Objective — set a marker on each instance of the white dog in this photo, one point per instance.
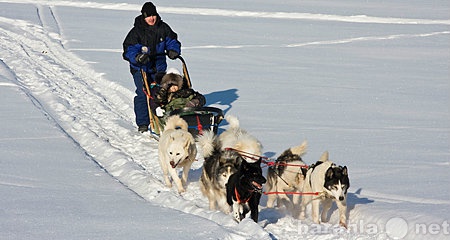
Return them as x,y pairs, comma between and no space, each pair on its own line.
176,149
331,182
287,175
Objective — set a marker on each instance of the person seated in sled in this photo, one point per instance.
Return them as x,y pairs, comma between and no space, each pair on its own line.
173,95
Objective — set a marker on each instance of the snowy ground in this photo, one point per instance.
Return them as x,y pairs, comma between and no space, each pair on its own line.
367,81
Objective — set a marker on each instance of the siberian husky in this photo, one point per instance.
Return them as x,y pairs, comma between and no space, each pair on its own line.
331,182
176,149
218,166
223,155
287,175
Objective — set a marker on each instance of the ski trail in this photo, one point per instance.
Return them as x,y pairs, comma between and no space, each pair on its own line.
48,21
97,115
294,45
325,42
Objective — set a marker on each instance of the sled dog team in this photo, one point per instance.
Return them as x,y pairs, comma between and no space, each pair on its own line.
232,177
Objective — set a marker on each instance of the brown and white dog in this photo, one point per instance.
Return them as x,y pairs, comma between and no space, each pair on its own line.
176,149
287,175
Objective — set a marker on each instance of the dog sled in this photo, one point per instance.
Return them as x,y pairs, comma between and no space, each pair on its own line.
199,119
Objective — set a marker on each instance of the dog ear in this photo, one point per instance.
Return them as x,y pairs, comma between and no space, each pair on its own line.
324,157
304,170
329,173
187,143
345,171
244,165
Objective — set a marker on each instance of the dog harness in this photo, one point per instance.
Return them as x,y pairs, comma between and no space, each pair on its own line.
238,197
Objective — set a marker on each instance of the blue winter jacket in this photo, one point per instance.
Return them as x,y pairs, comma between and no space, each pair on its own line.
157,39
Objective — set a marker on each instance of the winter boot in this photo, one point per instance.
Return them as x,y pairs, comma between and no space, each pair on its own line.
143,128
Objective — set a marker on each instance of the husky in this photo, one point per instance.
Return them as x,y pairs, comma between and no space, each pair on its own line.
331,182
287,175
240,140
176,149
223,155
218,166
244,190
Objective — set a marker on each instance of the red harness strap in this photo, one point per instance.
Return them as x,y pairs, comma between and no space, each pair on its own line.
238,197
293,193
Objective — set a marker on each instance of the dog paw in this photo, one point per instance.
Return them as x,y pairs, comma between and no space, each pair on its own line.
237,217
302,216
343,224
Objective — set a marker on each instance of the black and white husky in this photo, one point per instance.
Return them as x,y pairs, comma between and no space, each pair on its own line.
331,182
244,190
287,175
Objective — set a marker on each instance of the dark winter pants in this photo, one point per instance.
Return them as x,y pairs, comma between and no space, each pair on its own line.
140,100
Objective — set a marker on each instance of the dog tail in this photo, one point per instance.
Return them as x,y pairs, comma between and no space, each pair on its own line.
233,121
324,157
175,122
206,143
301,149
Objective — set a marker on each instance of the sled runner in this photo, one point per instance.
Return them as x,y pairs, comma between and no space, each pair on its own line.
199,119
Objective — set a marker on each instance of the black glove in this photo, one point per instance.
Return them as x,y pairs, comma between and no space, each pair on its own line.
193,103
172,54
161,96
142,58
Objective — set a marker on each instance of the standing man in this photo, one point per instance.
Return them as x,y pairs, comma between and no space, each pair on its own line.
145,47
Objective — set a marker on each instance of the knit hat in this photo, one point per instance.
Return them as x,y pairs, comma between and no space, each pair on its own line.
149,10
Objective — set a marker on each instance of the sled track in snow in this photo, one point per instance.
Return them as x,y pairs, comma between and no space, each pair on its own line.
98,116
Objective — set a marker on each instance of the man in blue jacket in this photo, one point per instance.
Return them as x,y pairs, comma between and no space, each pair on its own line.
144,48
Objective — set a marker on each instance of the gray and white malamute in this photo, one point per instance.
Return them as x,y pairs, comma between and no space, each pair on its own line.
331,182
223,155
287,175
176,149
218,166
